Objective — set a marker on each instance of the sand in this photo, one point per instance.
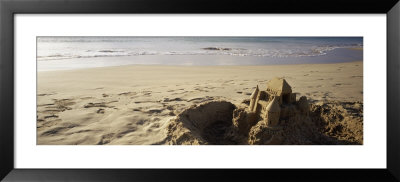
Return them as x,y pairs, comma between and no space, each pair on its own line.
136,104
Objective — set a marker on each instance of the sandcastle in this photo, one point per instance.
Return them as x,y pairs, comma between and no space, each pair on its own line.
275,103
260,121
267,111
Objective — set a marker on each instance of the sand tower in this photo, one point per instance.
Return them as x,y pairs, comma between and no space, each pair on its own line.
253,100
303,105
273,111
281,89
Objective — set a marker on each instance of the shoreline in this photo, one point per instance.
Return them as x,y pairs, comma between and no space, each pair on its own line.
340,55
201,66
188,66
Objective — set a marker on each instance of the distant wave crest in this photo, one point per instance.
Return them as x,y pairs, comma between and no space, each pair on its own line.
276,53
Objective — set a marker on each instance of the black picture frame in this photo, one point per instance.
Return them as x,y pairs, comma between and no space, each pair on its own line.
8,8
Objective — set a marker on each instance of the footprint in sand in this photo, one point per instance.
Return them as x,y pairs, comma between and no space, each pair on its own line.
59,105
86,98
147,101
50,111
51,116
106,139
128,93
84,131
45,105
141,122
171,100
98,104
127,131
229,82
201,89
171,108
209,87
89,105
100,111
325,95
59,129
49,123
154,111
145,93
178,93
155,125
44,94
201,99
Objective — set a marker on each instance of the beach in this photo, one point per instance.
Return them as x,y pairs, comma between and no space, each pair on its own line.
134,104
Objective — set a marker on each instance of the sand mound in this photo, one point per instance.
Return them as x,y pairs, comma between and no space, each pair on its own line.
216,123
203,124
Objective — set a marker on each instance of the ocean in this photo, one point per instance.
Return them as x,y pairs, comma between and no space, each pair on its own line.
55,53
